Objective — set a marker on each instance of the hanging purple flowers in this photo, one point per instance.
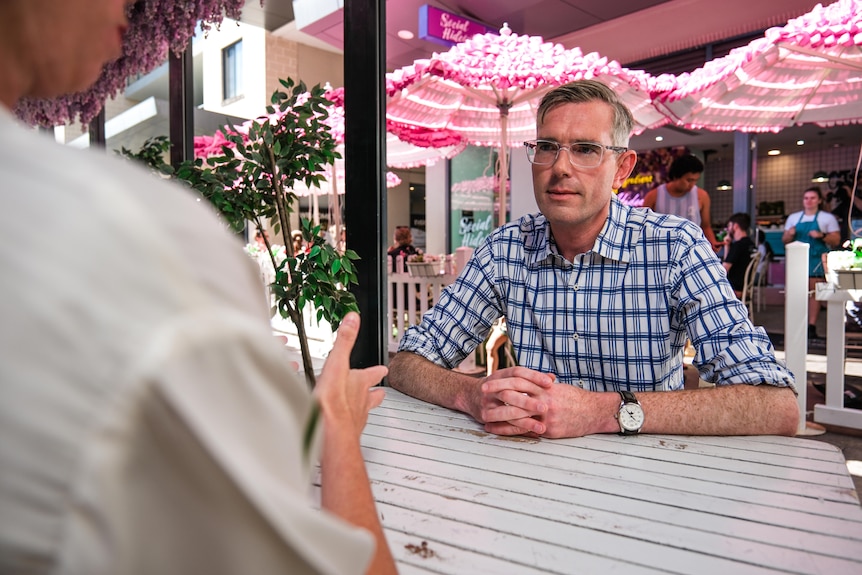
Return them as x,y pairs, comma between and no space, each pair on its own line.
155,26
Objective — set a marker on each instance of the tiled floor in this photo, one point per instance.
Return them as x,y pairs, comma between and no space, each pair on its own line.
848,440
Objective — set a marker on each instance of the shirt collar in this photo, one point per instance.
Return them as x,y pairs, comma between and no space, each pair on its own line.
621,230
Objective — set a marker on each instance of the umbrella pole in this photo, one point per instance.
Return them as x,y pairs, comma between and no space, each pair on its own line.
334,206
504,164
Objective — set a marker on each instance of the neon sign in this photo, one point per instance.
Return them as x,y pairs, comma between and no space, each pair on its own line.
446,28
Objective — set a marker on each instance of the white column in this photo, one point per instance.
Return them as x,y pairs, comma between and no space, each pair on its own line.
523,198
436,207
796,321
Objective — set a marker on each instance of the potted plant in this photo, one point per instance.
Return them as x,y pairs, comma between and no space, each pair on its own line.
252,180
425,265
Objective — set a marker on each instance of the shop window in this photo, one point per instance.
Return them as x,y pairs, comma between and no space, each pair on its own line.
232,71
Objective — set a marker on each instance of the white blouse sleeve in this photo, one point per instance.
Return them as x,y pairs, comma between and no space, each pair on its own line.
209,467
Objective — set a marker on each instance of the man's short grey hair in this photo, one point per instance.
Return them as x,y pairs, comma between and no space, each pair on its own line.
585,91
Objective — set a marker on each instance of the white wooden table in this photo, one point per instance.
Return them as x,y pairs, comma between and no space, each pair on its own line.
455,499
833,411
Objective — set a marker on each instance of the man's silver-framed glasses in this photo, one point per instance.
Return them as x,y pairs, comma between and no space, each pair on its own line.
581,154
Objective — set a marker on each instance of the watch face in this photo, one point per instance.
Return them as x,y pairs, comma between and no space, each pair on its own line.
631,417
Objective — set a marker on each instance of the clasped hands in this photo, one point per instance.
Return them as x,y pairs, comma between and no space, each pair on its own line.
521,401
814,234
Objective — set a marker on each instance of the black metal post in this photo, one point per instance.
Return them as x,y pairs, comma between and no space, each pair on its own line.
96,130
744,167
365,169
181,105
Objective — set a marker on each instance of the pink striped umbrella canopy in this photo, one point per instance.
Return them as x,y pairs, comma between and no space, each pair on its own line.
406,146
487,89
474,85
808,71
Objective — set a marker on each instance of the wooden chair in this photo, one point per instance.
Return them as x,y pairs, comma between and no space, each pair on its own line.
757,293
760,281
748,286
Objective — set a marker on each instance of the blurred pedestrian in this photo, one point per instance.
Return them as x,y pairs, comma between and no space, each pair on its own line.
403,246
681,196
738,250
820,230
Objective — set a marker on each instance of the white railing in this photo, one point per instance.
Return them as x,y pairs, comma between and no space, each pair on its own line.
319,333
410,296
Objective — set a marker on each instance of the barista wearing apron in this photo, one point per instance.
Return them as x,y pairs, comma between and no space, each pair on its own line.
821,232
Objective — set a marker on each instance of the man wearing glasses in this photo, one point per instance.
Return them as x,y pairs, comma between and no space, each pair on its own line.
599,298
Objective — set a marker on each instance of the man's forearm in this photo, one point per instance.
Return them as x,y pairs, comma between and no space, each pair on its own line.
416,376
725,410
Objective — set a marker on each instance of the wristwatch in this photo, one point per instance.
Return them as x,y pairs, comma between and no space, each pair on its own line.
630,415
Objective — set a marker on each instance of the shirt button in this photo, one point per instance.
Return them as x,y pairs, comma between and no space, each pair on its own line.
576,287
575,337
580,383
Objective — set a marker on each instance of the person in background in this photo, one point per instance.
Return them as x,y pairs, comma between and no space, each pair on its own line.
598,298
298,242
737,250
342,241
856,215
819,229
681,196
842,207
259,239
403,245
766,257
150,422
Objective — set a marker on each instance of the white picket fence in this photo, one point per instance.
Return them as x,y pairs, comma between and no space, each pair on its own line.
319,333
410,296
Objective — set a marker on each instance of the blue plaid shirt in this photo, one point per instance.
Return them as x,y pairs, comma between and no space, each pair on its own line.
615,318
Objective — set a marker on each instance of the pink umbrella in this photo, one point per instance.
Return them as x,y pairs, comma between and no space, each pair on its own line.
401,154
809,70
205,146
487,89
406,146
337,186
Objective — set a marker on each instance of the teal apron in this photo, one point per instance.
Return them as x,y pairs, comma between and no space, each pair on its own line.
816,247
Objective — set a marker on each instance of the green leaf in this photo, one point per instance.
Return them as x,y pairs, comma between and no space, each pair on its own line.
310,430
241,184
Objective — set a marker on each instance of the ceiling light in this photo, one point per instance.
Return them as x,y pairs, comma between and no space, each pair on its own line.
773,153
820,176
800,142
659,138
405,34
723,186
